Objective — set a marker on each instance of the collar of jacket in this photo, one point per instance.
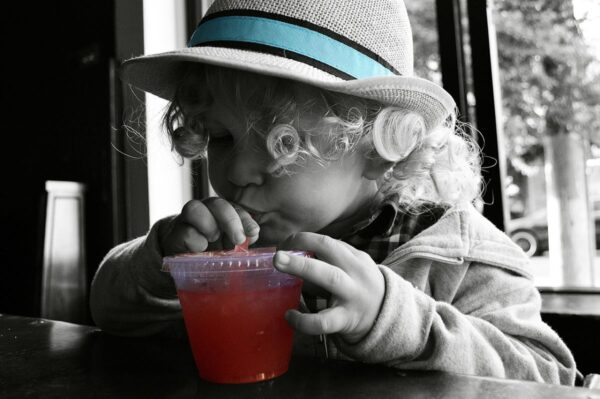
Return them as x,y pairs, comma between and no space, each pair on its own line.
463,234
383,217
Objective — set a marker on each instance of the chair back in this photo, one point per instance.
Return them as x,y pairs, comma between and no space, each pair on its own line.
64,278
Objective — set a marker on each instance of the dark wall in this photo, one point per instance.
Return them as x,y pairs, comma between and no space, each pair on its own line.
55,126
581,335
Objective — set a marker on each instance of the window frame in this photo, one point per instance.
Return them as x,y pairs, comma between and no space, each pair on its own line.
485,90
129,175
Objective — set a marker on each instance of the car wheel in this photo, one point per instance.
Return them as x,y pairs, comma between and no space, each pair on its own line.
526,240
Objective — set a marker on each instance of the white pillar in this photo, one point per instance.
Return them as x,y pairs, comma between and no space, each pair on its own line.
169,183
569,237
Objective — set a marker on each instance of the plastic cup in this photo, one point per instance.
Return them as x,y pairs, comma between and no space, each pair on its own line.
233,307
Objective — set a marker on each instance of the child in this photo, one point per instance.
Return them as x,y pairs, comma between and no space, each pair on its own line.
319,138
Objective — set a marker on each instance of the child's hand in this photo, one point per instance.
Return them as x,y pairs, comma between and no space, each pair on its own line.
356,285
213,223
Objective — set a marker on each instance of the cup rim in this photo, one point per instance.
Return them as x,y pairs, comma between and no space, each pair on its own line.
223,261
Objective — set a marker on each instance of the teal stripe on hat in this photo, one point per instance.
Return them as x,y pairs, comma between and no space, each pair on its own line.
289,37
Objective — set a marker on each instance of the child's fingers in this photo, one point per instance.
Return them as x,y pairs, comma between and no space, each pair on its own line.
193,240
196,214
184,238
251,228
324,247
228,219
363,257
352,250
215,216
329,277
328,321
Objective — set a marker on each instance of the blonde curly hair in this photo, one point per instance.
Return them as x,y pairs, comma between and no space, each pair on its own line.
440,166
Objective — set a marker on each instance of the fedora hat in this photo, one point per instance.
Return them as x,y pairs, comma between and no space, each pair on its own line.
359,47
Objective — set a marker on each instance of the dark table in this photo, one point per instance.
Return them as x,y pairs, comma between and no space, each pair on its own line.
53,359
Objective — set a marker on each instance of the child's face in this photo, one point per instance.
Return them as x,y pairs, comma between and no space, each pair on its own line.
314,198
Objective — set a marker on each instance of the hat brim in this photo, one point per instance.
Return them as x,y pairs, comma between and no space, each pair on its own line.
160,74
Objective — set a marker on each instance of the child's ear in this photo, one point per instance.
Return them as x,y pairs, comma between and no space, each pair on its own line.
376,167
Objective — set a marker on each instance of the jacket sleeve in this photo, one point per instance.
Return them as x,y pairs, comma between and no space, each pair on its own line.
130,295
492,328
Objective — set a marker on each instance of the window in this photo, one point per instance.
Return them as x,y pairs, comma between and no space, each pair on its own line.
526,75
423,21
549,73
169,183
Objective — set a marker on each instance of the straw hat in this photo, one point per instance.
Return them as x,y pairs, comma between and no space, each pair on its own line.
358,47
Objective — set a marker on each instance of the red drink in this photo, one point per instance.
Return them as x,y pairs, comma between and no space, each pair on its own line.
233,306
242,336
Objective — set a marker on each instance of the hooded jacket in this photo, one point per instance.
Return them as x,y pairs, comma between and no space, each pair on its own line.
458,298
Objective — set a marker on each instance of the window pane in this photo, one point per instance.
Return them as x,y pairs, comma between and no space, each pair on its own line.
425,39
549,62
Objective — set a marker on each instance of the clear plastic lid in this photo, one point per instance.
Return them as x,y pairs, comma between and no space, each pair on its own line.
229,271
224,261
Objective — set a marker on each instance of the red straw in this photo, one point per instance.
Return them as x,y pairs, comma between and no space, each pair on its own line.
243,247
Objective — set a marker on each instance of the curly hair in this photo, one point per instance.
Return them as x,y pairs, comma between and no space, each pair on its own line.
440,166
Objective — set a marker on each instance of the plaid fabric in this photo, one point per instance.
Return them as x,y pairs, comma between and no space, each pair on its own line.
390,227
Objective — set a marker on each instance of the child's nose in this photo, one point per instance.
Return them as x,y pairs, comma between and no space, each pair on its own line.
247,167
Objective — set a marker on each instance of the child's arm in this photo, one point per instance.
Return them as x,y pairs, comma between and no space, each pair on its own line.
491,327
130,295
